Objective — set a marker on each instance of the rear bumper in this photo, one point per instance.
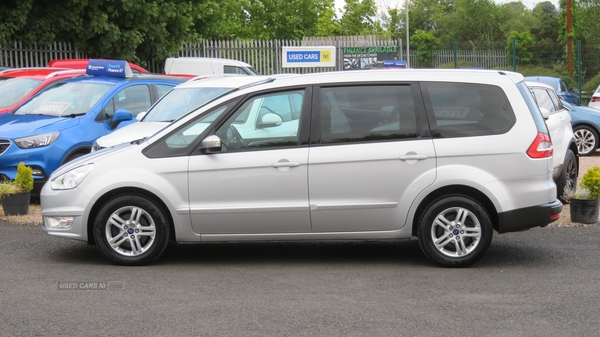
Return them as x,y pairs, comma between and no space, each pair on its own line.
525,218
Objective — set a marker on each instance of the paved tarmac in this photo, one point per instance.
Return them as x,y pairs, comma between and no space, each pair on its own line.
542,282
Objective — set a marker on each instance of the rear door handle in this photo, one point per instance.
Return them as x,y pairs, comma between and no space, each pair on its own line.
413,157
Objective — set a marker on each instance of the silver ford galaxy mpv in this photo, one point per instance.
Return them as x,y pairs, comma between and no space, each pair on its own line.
446,156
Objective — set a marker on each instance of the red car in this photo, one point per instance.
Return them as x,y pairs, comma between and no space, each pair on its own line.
19,84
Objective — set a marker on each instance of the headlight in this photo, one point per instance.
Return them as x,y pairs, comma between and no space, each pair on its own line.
71,178
37,140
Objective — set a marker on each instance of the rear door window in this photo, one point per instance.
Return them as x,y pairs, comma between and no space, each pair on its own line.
366,113
467,110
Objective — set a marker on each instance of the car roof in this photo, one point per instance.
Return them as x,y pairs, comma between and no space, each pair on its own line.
392,75
220,81
82,64
542,78
538,84
40,73
134,78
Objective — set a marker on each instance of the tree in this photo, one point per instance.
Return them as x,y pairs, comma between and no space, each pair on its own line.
135,30
358,17
524,44
425,43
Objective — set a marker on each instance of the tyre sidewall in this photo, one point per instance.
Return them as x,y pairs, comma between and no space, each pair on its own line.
160,221
428,218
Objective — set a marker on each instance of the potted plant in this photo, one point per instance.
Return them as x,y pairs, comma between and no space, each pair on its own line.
585,201
15,194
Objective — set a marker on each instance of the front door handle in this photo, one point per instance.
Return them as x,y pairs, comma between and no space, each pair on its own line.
285,164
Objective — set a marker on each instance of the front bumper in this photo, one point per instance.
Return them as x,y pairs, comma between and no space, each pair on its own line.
525,218
65,204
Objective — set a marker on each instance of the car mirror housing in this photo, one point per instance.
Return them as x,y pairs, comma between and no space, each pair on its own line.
141,115
270,120
545,113
119,116
211,144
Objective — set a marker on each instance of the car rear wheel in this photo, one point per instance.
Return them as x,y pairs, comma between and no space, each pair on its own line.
567,181
455,231
131,230
587,140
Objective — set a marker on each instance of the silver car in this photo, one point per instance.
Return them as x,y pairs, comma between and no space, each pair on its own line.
444,156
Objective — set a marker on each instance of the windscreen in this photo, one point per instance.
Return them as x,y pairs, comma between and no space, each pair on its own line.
68,99
14,89
180,101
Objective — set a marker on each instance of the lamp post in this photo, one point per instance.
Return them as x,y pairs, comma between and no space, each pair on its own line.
407,38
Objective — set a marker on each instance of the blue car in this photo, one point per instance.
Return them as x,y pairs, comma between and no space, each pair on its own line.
559,85
586,127
62,122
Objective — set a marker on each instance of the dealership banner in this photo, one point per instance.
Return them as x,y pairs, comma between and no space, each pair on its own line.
314,56
367,57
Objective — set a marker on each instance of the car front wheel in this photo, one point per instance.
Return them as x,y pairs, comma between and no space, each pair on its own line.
587,140
455,231
131,230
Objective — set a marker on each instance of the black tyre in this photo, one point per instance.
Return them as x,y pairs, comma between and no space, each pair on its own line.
455,231
587,140
131,230
568,176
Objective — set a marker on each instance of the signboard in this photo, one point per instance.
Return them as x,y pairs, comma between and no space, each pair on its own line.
367,57
112,68
317,56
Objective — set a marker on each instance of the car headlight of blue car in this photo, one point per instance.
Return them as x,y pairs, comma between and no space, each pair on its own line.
72,178
37,140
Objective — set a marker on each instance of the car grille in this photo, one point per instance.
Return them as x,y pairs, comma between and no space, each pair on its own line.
4,144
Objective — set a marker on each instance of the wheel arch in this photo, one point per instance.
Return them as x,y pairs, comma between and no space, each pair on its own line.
468,191
127,191
78,151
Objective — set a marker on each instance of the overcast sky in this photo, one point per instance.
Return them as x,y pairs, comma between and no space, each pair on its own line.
383,4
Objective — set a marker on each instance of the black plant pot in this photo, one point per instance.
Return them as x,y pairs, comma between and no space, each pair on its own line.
16,204
584,211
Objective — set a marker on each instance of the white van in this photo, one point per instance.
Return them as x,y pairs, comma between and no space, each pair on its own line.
207,66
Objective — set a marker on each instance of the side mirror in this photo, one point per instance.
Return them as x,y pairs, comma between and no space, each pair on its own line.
141,115
211,144
119,116
270,120
545,113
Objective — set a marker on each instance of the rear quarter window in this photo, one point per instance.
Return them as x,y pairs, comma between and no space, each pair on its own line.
467,110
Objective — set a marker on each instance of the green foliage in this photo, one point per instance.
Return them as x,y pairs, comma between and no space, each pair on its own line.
459,64
122,29
524,44
24,178
591,85
23,181
7,188
358,18
591,181
425,43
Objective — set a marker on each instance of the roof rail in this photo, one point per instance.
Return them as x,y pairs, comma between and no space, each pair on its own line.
65,72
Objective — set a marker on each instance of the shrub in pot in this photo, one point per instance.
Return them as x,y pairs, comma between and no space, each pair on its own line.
585,201
15,194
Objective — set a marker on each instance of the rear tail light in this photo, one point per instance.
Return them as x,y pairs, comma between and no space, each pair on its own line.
541,146
595,98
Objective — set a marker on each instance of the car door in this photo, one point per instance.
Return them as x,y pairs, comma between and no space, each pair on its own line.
134,98
369,158
558,123
250,187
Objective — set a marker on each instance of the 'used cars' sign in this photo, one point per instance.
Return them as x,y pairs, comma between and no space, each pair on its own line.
314,56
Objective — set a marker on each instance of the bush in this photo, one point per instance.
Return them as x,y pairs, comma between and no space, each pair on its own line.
591,181
24,178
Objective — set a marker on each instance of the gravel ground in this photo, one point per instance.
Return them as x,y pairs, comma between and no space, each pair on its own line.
34,217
